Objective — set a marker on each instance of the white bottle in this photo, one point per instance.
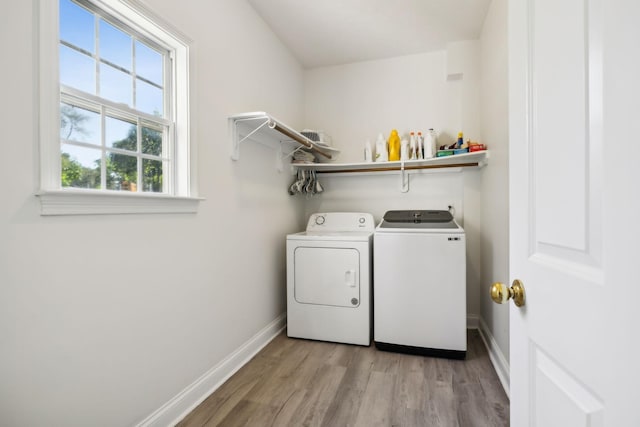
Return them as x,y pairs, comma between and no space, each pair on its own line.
420,146
412,146
430,144
368,152
382,154
404,149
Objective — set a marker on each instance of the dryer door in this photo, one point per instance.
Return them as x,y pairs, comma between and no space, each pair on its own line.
327,276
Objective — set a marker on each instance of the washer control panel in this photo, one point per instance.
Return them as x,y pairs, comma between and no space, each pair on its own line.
340,221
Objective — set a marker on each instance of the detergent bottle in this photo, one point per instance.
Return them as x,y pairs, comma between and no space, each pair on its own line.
394,146
382,153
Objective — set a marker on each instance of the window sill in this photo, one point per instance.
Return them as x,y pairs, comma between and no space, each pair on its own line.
87,202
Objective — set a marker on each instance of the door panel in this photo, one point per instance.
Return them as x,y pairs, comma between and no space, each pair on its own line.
558,72
560,399
327,276
565,119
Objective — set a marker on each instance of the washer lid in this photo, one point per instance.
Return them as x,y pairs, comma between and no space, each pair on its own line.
418,216
418,219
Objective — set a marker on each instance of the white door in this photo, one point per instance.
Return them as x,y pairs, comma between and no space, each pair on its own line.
574,206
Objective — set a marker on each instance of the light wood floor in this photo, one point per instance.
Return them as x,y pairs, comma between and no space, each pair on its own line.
294,382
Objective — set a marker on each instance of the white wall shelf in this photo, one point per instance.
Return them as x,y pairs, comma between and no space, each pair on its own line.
265,129
477,159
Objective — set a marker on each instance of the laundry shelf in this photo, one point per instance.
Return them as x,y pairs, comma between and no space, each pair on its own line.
265,129
477,159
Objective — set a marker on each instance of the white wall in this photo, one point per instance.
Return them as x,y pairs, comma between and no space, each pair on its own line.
355,102
495,181
105,318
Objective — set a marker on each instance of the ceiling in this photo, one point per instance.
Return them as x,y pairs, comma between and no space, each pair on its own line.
332,32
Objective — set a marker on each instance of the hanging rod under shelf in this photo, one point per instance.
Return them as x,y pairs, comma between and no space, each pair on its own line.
299,138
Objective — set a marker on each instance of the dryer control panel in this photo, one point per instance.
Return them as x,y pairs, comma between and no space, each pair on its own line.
340,222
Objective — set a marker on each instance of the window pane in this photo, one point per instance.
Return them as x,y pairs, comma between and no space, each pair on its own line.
115,45
78,124
149,63
77,70
152,179
122,172
151,141
80,167
76,25
115,85
148,98
120,134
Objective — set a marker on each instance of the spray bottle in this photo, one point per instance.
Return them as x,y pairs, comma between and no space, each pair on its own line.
412,146
368,152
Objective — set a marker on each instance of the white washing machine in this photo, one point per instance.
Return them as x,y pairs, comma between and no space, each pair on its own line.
420,284
329,279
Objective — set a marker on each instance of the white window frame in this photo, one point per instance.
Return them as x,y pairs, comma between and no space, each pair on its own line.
56,200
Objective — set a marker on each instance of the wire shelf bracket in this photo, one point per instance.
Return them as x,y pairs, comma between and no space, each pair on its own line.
265,129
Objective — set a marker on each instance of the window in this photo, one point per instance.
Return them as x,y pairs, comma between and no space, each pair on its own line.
120,99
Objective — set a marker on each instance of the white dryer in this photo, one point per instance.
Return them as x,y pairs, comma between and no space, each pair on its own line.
329,273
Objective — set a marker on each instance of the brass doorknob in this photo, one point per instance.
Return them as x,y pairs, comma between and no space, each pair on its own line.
500,293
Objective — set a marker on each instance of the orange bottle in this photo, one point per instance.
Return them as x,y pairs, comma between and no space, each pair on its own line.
394,146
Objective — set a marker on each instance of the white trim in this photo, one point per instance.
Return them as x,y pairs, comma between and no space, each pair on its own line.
184,402
88,202
499,362
48,91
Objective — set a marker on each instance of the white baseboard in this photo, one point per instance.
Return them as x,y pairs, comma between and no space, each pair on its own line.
500,363
184,402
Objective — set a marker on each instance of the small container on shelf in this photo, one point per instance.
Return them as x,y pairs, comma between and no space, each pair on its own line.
475,146
443,153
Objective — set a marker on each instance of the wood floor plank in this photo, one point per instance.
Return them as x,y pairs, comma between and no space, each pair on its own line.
441,405
295,382
375,408
341,355
343,409
320,393
243,415
384,361
285,416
